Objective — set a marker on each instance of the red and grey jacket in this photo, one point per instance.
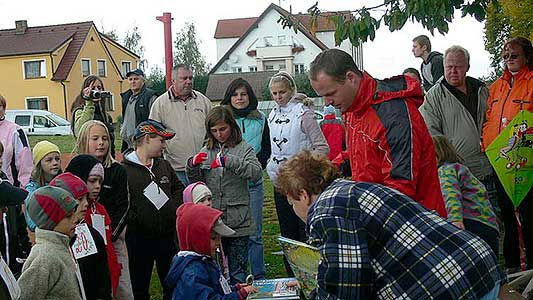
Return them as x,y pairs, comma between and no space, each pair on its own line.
389,143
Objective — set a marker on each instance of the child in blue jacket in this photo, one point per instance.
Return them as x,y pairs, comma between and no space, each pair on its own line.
193,273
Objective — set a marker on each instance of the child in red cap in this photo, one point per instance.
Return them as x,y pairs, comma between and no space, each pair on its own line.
93,266
194,274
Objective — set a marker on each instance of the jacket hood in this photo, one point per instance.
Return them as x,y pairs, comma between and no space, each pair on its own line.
193,225
81,165
131,158
431,55
373,91
179,263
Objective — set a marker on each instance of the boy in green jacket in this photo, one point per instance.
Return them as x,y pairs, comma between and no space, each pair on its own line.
51,272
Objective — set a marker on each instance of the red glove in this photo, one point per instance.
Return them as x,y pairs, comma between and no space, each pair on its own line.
199,158
219,161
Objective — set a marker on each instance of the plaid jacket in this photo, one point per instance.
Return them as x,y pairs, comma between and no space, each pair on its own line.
376,243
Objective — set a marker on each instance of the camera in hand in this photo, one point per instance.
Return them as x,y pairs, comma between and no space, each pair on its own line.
96,94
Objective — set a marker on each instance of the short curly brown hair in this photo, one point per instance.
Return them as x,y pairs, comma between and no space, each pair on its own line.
306,171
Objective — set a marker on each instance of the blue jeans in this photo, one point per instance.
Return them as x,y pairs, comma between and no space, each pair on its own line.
493,294
182,176
235,249
256,253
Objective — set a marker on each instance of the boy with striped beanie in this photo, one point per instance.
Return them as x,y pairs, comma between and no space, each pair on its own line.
51,272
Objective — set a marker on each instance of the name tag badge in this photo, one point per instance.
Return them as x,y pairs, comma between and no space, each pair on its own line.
98,222
84,244
156,195
9,280
225,285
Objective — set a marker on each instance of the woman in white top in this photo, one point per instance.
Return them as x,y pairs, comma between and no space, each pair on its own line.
293,128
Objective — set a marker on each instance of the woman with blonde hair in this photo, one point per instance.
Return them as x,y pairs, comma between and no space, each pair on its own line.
94,139
293,128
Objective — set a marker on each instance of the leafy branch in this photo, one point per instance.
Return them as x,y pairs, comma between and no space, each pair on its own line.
360,25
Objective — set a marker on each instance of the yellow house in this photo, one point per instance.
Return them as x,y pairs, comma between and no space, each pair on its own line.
44,67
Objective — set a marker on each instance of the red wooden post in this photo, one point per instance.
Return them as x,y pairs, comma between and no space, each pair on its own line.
167,21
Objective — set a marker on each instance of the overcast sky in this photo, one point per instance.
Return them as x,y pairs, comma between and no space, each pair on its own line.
388,55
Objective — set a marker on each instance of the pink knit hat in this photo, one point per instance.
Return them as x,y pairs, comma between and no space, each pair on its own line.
195,192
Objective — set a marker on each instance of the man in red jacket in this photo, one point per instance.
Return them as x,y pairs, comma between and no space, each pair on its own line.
388,141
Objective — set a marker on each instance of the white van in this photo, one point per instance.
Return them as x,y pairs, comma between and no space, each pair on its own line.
39,122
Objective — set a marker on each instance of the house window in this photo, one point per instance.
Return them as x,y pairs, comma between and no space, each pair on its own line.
85,67
282,67
236,69
282,40
299,68
252,68
102,68
269,68
110,103
268,40
126,67
35,69
37,103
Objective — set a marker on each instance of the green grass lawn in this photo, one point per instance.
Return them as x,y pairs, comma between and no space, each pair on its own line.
274,263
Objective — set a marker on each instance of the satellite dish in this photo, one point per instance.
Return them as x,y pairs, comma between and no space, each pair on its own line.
233,58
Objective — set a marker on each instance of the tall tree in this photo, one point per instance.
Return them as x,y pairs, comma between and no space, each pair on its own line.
156,80
133,42
359,25
187,50
506,19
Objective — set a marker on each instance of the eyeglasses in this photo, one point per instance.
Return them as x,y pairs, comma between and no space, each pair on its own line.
510,56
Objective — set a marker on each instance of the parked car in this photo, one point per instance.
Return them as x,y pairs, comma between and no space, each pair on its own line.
39,122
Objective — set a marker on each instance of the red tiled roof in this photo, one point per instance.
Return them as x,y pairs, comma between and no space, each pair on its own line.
46,39
39,39
218,83
233,28
73,49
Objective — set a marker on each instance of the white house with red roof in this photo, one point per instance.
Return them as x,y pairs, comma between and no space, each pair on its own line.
261,44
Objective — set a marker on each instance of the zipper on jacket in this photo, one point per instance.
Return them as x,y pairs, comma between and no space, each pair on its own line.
243,128
503,107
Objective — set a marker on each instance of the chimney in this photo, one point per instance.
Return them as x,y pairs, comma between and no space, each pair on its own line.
20,27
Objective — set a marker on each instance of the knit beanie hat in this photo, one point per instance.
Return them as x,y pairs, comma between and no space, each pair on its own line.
49,205
97,170
195,192
82,165
70,183
41,149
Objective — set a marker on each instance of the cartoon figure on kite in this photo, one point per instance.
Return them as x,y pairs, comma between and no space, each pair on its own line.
517,141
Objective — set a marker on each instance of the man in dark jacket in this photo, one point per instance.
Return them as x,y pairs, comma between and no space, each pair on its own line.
431,68
136,103
155,193
388,141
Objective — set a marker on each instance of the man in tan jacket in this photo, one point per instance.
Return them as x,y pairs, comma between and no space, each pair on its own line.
182,110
